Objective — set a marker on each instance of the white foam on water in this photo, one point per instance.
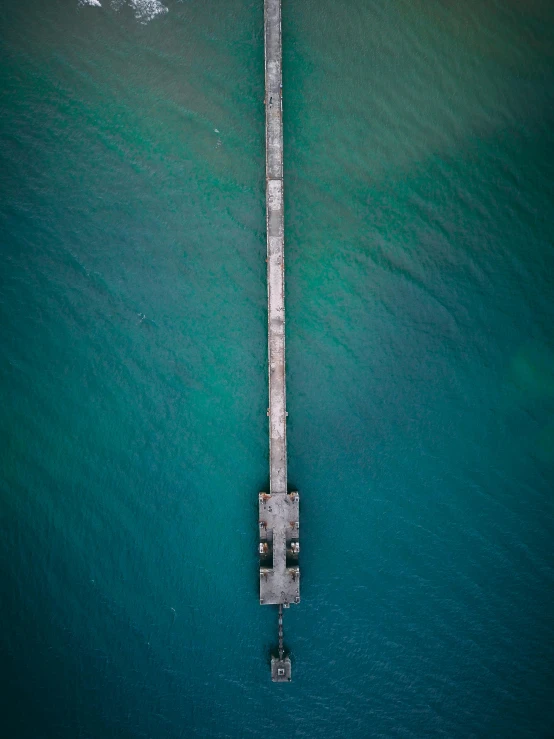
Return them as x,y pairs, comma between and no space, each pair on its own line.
146,10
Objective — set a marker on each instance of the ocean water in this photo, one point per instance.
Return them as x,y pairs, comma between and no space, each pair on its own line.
133,389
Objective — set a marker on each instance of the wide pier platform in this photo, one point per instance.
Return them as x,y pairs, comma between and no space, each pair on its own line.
279,549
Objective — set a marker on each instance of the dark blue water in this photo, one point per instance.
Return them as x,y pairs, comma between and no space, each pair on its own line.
133,388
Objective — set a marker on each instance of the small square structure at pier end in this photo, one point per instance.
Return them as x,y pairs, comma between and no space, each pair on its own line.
281,670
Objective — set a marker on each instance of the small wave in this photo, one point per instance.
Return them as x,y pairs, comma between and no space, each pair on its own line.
145,10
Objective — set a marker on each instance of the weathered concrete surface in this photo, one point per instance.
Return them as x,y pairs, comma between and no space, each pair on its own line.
279,510
275,250
273,90
281,670
276,339
279,523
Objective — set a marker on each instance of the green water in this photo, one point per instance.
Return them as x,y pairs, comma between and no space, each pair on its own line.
133,388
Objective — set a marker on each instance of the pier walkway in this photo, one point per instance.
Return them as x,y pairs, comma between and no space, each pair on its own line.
275,249
278,509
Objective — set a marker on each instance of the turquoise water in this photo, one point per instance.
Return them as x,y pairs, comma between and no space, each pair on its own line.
133,389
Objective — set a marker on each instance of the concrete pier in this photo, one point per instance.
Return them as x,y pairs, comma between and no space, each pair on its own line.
278,509
275,249
281,665
279,548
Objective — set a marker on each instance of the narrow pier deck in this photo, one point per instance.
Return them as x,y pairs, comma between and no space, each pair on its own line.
275,249
278,509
